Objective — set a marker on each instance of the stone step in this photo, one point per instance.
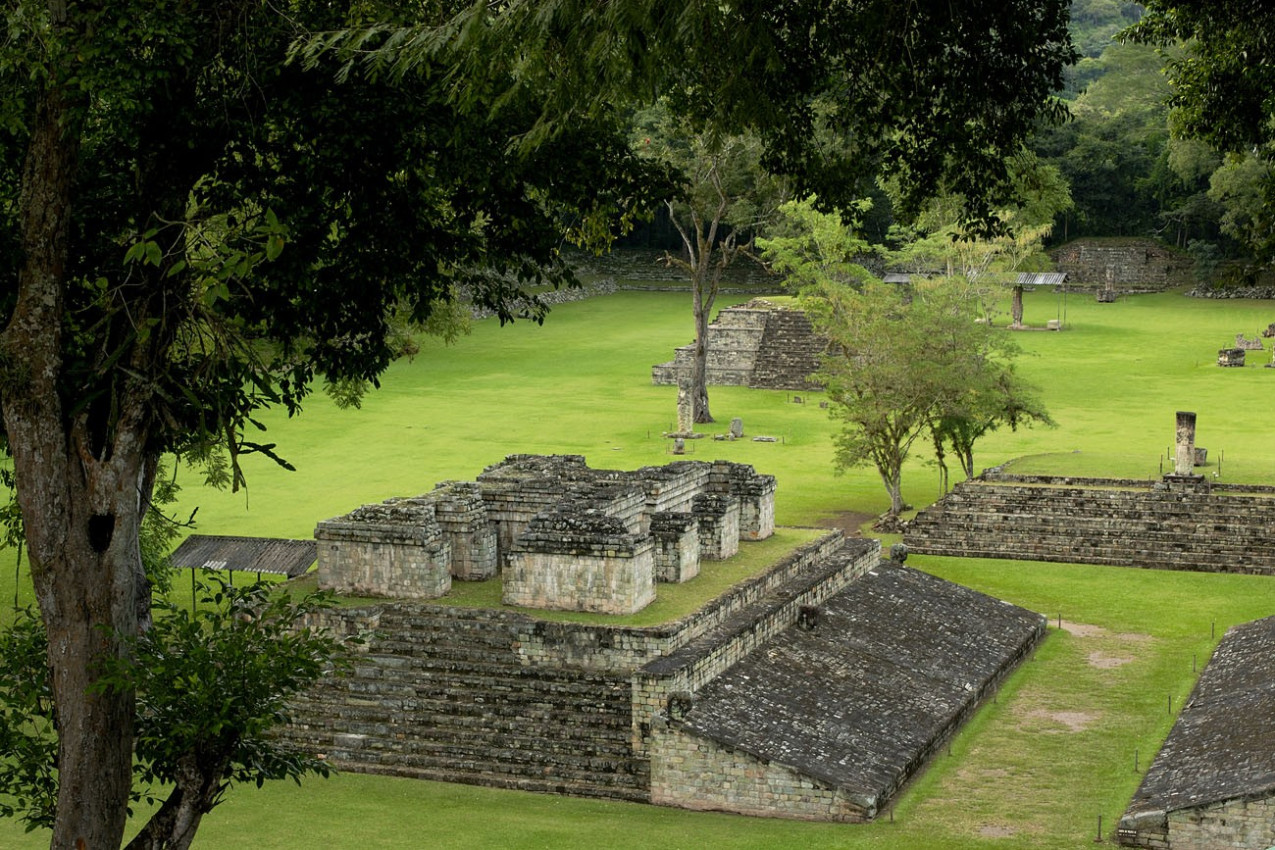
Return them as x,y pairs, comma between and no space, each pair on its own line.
638,791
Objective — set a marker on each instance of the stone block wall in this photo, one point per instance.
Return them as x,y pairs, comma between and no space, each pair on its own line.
1233,825
580,561
756,495
462,516
394,549
694,773
676,539
718,520
1132,265
1192,526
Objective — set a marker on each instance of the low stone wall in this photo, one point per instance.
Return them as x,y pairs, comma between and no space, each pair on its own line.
393,549
1188,526
1132,265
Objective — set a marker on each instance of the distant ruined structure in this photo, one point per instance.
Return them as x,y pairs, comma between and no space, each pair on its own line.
1123,265
759,344
815,689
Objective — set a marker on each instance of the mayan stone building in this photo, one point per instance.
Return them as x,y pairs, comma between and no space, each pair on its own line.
1212,786
815,689
759,344
564,536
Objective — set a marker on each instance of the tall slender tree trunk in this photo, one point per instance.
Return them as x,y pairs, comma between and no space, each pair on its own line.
84,489
702,308
1016,309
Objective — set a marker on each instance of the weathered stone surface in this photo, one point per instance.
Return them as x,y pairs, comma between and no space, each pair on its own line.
757,344
396,548
718,518
581,560
830,722
676,538
1213,783
1185,523
1133,265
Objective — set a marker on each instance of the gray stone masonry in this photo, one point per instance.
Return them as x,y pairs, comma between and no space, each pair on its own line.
758,344
1184,524
718,518
498,698
756,494
1212,786
676,538
830,722
1134,265
577,559
462,515
394,549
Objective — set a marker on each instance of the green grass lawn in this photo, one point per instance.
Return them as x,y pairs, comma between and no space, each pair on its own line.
1036,768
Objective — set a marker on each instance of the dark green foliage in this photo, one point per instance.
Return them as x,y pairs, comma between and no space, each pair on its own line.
938,91
1222,83
210,685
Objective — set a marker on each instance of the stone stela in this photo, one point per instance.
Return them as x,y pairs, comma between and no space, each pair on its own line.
564,536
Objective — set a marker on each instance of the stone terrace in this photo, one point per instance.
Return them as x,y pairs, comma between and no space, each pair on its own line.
1213,783
758,344
830,721
1222,528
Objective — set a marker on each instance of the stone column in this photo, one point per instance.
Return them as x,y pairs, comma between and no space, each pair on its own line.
1184,454
685,406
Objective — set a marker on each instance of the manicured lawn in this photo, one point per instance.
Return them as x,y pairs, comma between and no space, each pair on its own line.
1036,768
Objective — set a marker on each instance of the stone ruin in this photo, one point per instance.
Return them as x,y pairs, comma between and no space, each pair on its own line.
1254,344
564,536
1230,357
759,344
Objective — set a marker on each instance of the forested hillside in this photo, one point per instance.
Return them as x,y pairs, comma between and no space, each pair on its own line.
1128,176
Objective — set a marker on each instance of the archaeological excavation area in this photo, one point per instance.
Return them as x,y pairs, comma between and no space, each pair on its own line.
815,689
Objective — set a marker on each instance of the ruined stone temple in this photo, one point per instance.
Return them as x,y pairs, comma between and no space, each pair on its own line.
1124,265
815,689
759,344
1212,785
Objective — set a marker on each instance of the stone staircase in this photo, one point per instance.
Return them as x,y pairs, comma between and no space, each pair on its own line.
788,353
450,699
1129,525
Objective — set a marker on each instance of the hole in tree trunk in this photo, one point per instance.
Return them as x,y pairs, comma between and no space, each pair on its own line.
101,529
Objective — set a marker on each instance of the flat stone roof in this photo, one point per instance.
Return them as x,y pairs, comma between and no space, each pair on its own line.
860,701
1222,746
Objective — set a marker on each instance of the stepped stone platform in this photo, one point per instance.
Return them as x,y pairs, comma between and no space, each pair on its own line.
1183,525
503,699
1213,783
829,720
758,344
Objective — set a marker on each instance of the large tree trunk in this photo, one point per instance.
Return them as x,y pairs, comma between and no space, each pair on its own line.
702,307
80,494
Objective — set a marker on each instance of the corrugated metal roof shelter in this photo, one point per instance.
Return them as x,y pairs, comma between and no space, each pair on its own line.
1041,278
895,277
246,554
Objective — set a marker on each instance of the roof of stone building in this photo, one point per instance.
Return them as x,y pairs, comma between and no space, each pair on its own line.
1223,744
859,701
245,554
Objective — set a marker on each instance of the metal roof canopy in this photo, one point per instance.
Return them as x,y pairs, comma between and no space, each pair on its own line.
246,554
1041,278
896,277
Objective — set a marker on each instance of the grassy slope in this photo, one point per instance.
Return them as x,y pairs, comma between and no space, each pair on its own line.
1036,768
